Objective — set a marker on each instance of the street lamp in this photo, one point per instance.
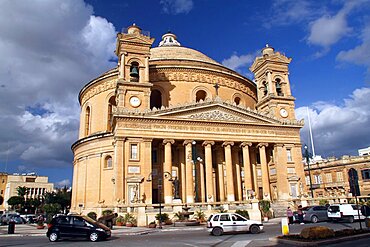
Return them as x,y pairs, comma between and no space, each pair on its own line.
308,165
167,176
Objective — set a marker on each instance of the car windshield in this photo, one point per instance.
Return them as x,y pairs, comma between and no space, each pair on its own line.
210,217
306,208
334,209
88,219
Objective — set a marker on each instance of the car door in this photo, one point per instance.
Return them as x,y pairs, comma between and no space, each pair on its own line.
240,224
226,222
80,228
323,213
64,226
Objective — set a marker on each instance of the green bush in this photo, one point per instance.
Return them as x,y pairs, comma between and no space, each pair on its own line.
164,217
107,212
200,216
129,218
92,215
243,213
317,232
323,202
180,216
265,208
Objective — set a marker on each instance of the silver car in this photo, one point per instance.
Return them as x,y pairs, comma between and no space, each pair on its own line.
313,214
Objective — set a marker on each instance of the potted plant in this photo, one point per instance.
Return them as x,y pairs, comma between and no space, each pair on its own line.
120,221
265,209
152,224
163,217
200,216
129,219
92,215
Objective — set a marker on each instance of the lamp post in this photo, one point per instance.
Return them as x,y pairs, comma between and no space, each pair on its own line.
167,176
308,165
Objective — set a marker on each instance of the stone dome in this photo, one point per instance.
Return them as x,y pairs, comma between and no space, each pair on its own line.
179,53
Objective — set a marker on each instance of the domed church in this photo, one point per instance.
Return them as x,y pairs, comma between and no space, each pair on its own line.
170,127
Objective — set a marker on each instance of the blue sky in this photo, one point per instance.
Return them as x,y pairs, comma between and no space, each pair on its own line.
51,49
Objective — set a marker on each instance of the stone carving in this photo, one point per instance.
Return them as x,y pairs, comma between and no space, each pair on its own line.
216,115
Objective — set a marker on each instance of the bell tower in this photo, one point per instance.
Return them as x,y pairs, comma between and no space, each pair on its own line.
273,87
133,52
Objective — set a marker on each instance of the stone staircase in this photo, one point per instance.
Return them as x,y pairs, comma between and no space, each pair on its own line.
279,208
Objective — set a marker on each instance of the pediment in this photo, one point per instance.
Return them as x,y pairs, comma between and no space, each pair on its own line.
214,112
138,39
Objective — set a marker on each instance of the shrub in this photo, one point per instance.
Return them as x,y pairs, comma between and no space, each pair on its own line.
317,232
107,212
265,208
221,209
200,216
128,218
120,219
179,216
164,217
92,215
323,202
243,213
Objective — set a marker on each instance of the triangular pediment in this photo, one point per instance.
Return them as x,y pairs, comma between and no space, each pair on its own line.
214,112
138,39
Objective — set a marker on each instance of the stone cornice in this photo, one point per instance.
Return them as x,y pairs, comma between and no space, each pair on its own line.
91,138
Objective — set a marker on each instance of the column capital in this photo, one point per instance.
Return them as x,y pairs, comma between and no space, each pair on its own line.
186,142
262,144
205,143
245,144
228,144
166,141
279,145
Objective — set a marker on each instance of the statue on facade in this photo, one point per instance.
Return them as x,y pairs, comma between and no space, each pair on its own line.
176,188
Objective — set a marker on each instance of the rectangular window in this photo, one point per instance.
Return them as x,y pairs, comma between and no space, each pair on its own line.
289,155
273,171
339,176
134,151
307,180
328,178
365,174
317,179
30,180
259,173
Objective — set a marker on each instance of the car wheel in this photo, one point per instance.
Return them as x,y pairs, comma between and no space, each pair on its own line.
94,237
217,231
53,237
351,219
254,229
314,219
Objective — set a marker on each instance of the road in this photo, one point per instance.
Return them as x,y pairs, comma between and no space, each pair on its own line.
186,238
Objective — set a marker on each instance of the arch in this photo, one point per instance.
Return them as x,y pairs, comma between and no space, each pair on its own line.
134,71
279,87
156,99
200,95
237,99
108,162
87,120
111,103
265,88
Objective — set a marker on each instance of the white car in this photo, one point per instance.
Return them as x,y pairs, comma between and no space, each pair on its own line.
219,223
348,212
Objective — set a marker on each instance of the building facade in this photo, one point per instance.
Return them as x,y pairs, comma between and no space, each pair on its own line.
37,185
3,181
340,178
171,125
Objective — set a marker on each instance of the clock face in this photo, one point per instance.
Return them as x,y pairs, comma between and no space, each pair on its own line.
283,112
135,101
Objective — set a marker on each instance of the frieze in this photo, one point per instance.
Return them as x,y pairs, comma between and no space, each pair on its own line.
216,115
104,86
196,76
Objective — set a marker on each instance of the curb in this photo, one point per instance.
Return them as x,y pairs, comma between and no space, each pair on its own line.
319,242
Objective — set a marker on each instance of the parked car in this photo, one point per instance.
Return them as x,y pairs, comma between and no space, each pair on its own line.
220,223
313,214
349,212
11,216
76,226
29,218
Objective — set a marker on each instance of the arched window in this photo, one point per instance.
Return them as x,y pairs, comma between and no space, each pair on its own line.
155,99
108,162
265,88
134,72
200,95
111,103
237,100
279,90
87,121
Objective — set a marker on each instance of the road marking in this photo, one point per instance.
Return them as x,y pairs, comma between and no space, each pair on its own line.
241,243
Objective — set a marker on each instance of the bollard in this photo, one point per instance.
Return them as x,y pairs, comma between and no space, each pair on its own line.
284,226
11,227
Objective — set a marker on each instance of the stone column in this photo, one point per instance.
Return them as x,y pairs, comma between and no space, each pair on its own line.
265,171
167,167
182,177
146,196
287,84
146,76
272,89
237,178
221,183
209,173
280,157
189,172
119,170
229,171
248,178
121,74
201,182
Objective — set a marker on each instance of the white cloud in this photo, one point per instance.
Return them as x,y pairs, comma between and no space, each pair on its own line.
49,51
176,6
240,63
359,54
62,183
339,128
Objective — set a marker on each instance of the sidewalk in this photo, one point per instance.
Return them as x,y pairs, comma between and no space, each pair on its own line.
31,230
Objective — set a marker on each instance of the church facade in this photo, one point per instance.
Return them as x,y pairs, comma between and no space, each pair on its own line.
170,125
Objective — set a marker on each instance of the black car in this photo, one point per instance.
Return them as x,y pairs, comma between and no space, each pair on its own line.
76,226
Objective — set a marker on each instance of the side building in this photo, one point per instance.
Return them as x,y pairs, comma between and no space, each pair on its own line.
37,185
340,178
